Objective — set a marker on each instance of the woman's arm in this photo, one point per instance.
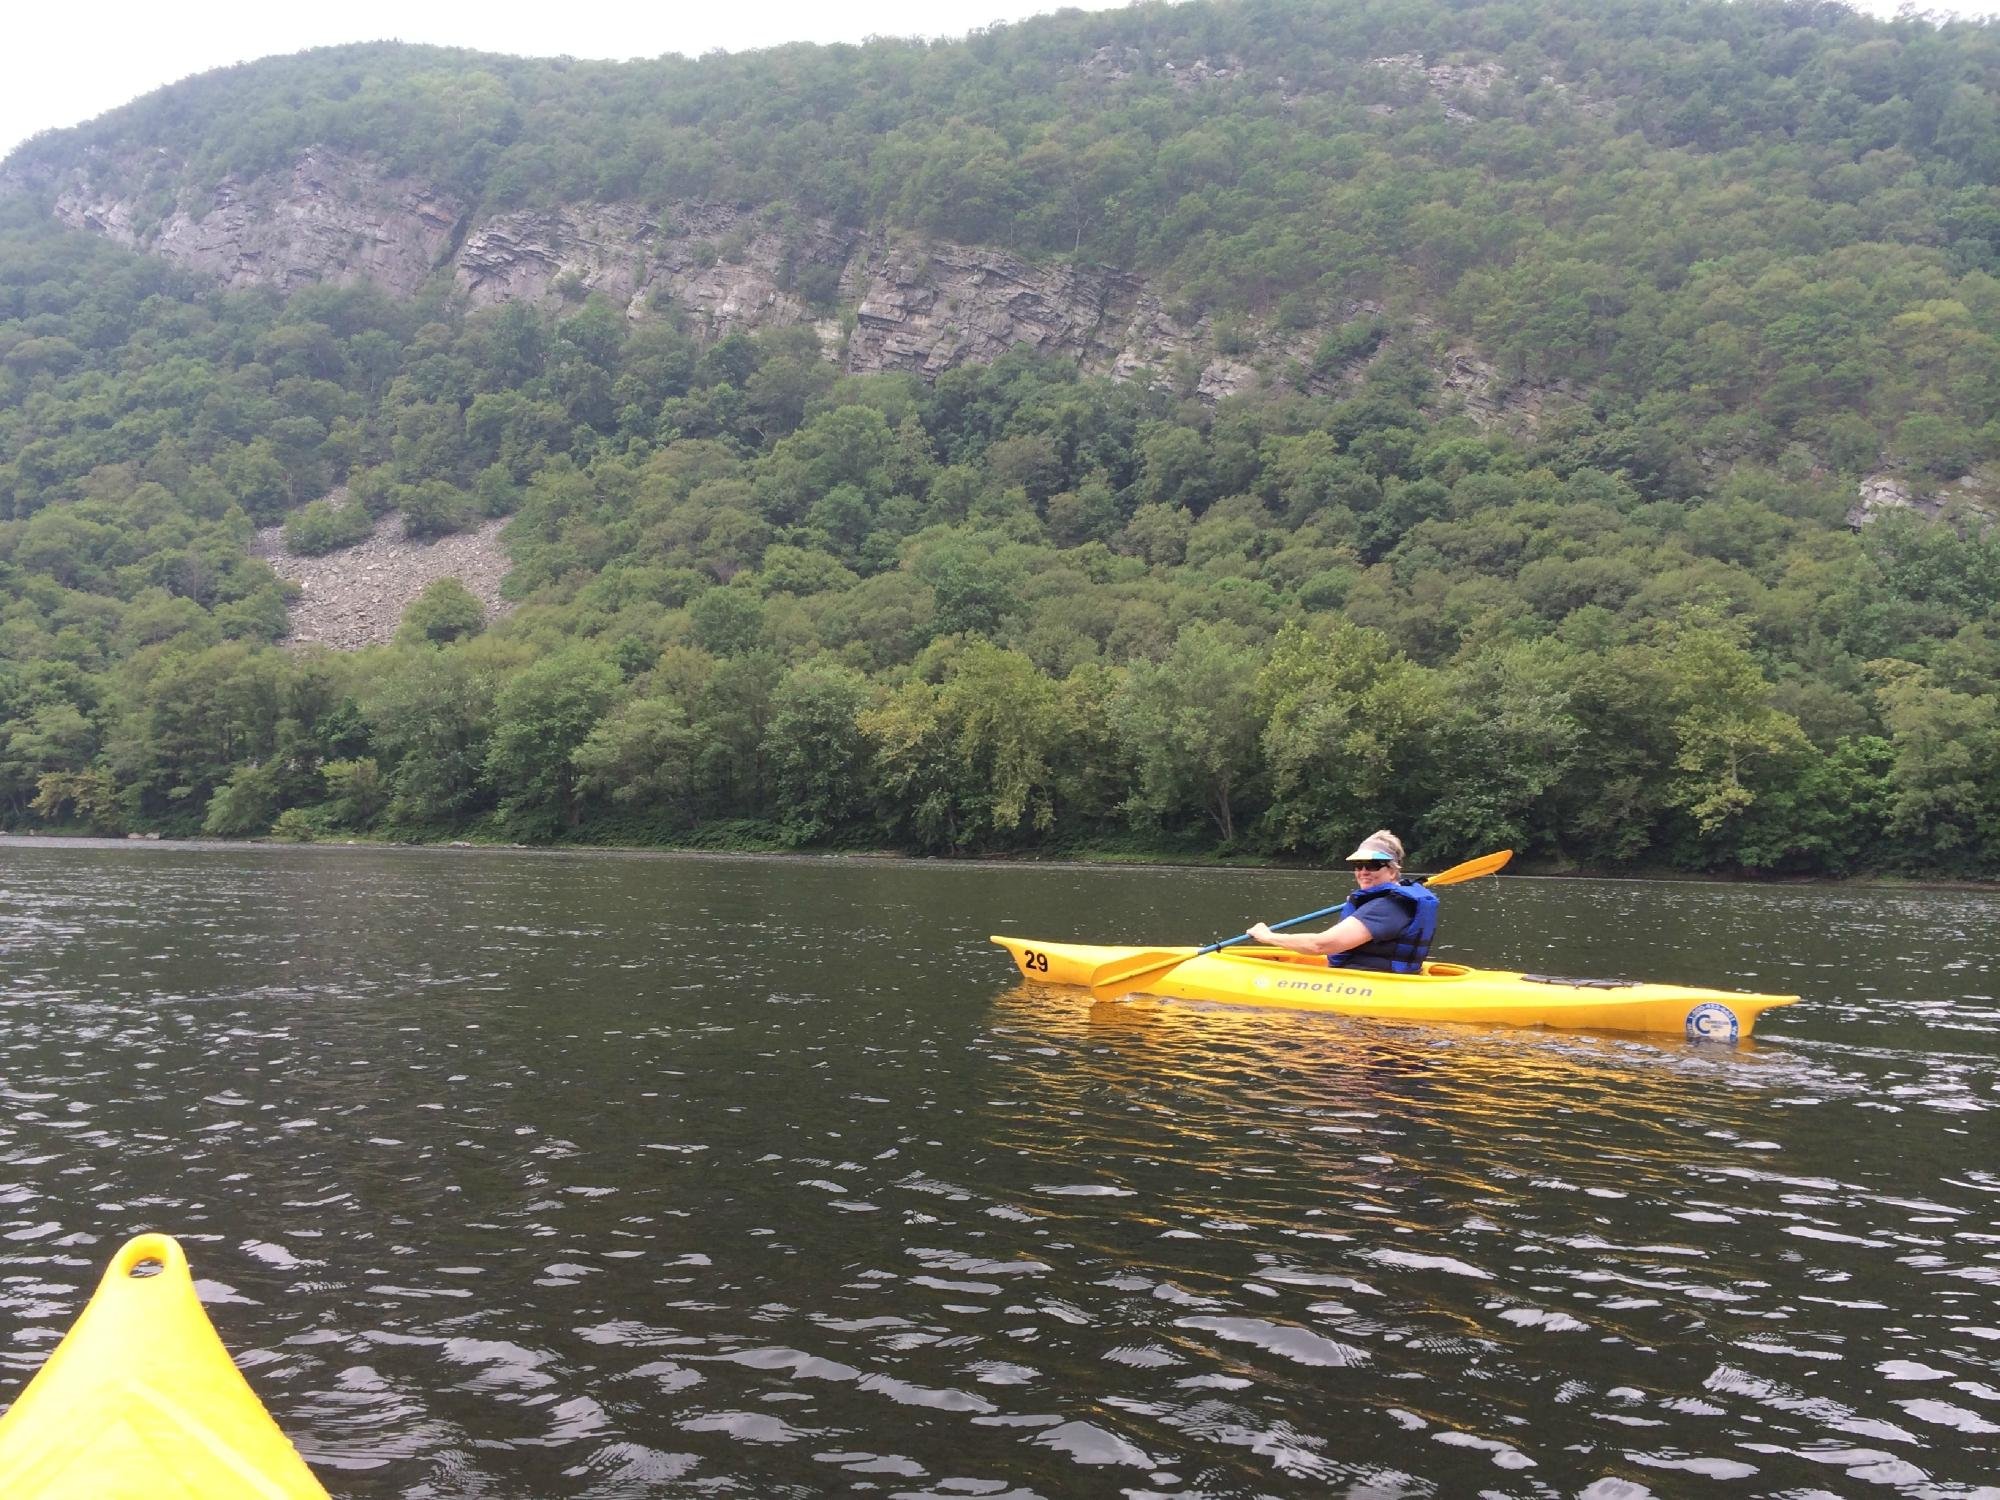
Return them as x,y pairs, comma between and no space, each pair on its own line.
1348,932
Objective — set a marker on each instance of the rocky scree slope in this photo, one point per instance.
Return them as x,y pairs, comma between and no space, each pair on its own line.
356,596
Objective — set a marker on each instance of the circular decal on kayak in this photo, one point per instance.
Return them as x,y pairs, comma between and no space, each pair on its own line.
1710,1022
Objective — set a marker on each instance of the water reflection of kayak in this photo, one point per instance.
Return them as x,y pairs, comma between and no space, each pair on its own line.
141,1399
1443,992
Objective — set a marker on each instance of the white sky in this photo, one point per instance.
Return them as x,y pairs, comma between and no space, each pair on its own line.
66,63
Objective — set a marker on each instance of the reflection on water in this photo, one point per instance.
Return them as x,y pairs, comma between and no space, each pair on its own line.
540,1176
1512,1242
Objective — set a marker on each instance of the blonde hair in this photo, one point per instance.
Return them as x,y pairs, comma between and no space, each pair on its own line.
1381,838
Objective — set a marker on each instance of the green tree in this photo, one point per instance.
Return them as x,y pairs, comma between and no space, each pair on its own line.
540,719
1830,818
255,478
821,776
916,769
243,806
641,755
1190,724
968,761
430,714
1506,738
1346,719
732,723
1005,721
1725,729
727,622
53,737
191,719
1944,784
357,792
444,612
1940,445
324,527
90,796
432,508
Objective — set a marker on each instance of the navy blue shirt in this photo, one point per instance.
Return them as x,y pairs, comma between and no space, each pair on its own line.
1384,919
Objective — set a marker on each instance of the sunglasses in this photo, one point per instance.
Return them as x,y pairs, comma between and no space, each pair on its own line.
1370,864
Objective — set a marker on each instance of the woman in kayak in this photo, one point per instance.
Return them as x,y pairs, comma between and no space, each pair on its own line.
1386,924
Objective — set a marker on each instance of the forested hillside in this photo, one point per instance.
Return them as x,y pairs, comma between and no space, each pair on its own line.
763,602
1742,226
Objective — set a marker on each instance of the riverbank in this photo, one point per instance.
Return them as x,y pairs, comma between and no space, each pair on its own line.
1069,860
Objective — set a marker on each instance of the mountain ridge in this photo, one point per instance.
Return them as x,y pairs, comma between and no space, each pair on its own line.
1646,203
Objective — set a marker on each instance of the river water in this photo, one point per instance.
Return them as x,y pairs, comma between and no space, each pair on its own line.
530,1174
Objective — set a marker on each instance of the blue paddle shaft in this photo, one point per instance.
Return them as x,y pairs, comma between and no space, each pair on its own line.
1244,937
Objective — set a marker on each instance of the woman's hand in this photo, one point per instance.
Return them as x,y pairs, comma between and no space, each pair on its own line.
1260,932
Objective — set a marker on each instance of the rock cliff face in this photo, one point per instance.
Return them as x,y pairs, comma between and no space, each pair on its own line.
1975,495
916,305
330,218
921,306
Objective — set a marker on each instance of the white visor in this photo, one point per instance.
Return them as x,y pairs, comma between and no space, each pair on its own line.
1366,852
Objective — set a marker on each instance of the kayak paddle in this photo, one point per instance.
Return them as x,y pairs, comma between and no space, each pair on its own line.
1123,975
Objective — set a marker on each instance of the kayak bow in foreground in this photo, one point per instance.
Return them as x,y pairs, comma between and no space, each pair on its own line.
1443,992
141,1399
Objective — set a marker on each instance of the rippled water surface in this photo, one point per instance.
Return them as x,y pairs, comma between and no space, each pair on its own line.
547,1175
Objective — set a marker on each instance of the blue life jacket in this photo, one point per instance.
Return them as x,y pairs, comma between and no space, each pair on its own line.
1403,953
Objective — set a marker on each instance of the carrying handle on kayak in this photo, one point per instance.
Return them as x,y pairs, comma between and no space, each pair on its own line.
145,1256
148,1269
1122,975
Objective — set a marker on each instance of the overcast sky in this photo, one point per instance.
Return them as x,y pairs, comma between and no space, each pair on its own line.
65,63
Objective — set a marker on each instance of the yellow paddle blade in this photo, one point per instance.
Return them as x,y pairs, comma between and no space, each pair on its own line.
1123,975
141,1402
1472,869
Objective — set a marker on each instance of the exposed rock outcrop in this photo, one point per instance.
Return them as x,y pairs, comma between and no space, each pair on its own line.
1976,494
330,218
1116,64
1447,82
1458,85
356,597
917,305
1492,400
921,306
729,269
926,308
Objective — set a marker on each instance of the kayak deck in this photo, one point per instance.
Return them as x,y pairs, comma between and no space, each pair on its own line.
1443,992
141,1399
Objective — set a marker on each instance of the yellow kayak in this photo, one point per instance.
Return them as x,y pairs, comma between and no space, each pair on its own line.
1443,992
140,1399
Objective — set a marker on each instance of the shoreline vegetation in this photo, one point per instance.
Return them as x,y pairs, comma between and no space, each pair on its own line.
1517,869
